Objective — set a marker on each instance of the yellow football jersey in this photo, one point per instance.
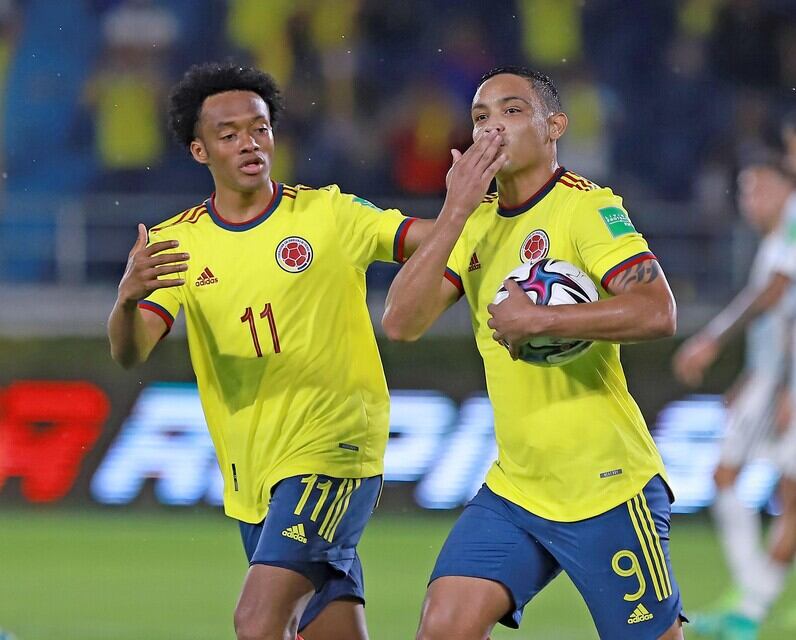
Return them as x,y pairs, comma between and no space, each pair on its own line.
280,337
572,442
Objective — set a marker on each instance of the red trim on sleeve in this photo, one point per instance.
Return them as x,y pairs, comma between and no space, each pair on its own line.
400,239
454,278
625,264
155,308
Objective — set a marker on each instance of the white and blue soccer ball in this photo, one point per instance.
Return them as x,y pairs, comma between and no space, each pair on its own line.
551,282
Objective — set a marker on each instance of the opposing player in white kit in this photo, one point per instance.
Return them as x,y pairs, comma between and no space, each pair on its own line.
765,308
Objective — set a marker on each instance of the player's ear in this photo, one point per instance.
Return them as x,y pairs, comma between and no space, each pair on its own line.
557,125
198,151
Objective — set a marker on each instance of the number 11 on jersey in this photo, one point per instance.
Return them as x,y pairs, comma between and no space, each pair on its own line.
267,312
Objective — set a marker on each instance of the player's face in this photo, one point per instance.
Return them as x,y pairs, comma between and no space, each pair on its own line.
760,196
509,104
235,140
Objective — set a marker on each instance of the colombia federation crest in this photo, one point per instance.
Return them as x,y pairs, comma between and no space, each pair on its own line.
294,254
535,246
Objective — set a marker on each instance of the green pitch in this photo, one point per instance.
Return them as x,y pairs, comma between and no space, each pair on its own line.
175,575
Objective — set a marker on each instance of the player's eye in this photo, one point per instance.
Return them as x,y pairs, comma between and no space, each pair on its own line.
228,136
479,117
513,110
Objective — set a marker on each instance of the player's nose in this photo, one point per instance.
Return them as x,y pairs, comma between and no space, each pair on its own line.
249,144
495,125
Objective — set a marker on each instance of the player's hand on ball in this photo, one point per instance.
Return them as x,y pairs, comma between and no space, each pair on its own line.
472,172
144,266
693,358
512,318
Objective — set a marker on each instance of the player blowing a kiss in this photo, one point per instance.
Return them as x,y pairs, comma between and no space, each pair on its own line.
271,278
578,484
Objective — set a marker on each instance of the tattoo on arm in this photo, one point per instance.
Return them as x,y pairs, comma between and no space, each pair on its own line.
643,273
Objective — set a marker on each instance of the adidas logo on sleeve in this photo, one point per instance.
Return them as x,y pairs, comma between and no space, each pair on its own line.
640,614
296,532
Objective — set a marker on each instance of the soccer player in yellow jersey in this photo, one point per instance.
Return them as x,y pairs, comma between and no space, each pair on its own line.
271,278
578,484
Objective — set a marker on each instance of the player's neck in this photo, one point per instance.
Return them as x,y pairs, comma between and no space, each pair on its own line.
518,188
242,206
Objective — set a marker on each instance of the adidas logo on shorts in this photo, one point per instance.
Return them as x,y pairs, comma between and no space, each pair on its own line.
296,532
640,614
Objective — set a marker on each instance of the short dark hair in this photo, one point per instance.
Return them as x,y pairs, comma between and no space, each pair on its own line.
204,80
540,82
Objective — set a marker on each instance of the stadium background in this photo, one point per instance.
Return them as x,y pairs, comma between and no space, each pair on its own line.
107,530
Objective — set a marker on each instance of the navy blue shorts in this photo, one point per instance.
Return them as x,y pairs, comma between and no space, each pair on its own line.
619,560
313,526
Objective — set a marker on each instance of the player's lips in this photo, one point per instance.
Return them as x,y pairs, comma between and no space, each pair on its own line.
252,166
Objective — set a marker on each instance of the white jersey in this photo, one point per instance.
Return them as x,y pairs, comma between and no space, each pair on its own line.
770,350
768,335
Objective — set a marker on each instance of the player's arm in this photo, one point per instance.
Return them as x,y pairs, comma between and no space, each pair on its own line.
418,231
134,332
420,293
642,307
700,351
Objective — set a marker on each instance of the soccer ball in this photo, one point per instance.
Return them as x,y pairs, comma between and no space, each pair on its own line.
551,281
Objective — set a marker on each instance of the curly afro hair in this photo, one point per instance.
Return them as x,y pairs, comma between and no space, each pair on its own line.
205,80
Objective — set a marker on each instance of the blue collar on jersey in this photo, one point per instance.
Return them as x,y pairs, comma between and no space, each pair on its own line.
261,217
534,199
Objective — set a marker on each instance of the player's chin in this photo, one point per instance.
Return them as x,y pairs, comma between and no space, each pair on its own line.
506,170
247,182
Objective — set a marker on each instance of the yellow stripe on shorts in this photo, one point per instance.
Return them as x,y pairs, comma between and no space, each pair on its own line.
354,486
657,548
636,520
332,508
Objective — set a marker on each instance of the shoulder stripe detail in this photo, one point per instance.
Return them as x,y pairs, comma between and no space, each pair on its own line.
574,177
290,195
625,264
583,185
455,279
155,308
185,214
573,186
191,216
197,213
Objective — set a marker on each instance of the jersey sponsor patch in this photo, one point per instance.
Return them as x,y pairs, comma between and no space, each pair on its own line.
790,232
366,203
617,221
294,254
535,246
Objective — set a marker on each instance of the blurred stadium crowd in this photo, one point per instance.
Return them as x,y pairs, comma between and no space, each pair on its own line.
666,98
